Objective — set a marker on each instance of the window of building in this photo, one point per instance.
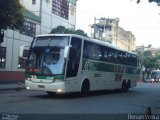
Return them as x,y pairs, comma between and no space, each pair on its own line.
29,29
60,8
33,2
22,60
2,57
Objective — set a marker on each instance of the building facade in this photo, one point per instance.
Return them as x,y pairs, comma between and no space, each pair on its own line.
53,13
40,17
107,29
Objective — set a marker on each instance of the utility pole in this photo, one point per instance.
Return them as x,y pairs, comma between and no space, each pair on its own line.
94,34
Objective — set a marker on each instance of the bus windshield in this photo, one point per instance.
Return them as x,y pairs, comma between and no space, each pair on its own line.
46,56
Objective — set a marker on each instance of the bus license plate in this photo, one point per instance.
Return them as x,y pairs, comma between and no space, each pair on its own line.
41,86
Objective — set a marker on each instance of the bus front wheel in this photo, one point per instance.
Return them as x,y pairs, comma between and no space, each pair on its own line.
85,88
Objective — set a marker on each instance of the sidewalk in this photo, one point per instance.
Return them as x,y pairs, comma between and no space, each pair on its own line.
11,86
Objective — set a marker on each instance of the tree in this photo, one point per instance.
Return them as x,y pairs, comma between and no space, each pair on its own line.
11,15
157,1
64,30
81,32
59,29
149,61
149,46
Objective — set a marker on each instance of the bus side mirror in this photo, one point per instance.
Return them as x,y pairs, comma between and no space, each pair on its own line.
66,51
22,51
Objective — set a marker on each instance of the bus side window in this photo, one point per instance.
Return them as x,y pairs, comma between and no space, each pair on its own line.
110,55
89,51
105,55
85,52
97,52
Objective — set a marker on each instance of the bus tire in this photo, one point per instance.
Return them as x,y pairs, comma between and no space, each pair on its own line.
85,88
128,85
124,86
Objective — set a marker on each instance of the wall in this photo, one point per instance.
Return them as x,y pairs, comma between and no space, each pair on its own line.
50,20
35,8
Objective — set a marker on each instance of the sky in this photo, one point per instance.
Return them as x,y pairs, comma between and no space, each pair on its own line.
142,19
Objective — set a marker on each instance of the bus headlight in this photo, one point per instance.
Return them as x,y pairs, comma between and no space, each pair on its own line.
27,88
59,90
152,80
28,78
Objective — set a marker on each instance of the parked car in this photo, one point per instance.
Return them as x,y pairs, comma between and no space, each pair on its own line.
156,75
148,80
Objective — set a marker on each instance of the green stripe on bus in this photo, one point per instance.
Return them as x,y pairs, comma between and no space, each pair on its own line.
59,77
45,77
93,65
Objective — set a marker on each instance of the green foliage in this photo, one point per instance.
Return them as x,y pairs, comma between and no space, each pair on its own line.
147,54
81,32
63,30
149,61
149,46
11,15
59,29
156,1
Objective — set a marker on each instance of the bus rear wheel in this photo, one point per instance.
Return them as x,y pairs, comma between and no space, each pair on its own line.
85,88
128,85
124,87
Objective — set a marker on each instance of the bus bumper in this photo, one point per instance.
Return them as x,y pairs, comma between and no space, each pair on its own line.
58,87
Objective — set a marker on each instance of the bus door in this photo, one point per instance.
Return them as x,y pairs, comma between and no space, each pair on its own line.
74,58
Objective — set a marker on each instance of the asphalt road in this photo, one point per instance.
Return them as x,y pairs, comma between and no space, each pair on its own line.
111,103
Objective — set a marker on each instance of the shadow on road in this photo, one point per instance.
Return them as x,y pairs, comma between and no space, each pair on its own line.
78,95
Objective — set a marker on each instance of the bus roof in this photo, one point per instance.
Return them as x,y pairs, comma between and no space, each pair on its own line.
43,35
89,39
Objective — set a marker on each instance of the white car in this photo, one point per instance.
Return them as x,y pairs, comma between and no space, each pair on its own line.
148,80
156,75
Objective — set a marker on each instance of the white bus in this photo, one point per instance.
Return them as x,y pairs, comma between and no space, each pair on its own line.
64,63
